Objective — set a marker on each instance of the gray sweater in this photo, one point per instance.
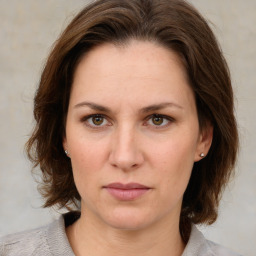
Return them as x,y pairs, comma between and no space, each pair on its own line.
51,240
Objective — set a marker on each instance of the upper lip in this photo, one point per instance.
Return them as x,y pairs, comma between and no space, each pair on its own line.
127,186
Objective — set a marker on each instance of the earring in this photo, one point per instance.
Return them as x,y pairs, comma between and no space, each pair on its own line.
202,155
66,152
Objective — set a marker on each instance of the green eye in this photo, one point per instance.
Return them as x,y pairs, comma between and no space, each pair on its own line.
97,120
157,120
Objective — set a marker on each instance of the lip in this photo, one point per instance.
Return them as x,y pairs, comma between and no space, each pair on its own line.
126,192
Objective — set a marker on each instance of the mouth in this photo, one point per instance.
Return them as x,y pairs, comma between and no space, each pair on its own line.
126,192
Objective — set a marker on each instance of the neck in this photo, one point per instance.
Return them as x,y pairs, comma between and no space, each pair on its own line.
160,239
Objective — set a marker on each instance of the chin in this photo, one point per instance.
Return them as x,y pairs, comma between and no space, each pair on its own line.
128,220
132,225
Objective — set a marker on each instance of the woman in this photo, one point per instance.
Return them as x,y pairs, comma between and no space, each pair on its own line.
135,131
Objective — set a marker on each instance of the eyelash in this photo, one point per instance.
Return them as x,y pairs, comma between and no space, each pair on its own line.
86,120
165,118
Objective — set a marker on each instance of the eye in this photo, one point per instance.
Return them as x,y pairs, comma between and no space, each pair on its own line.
159,120
95,121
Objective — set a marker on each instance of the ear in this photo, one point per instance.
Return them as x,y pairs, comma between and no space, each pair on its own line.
64,143
204,142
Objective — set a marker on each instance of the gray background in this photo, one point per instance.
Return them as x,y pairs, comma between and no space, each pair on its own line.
27,30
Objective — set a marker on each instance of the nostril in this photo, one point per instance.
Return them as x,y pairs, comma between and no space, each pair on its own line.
125,153
127,163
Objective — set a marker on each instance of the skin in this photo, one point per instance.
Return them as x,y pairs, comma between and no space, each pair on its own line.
125,86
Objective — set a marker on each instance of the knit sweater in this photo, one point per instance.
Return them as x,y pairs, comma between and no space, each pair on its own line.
51,240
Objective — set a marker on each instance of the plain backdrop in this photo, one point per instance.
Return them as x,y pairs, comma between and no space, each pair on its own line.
28,28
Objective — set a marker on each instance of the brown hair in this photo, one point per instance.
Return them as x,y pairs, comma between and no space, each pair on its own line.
174,24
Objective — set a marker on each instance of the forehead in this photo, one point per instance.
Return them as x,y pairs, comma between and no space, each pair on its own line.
135,69
133,53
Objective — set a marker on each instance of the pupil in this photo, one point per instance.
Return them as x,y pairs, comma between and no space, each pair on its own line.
97,120
157,120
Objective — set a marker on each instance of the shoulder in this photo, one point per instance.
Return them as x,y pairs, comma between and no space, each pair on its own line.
43,241
220,250
198,245
25,243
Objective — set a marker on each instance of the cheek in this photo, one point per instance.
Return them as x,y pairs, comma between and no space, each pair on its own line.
84,149
87,159
176,154
174,162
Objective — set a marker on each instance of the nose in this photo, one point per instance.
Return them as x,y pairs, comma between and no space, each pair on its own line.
125,151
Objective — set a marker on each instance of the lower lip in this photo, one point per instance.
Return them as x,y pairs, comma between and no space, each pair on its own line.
127,194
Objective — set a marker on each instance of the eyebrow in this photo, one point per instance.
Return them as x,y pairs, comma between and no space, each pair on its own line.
160,106
147,109
93,106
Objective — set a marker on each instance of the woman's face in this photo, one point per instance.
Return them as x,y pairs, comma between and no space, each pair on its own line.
132,134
